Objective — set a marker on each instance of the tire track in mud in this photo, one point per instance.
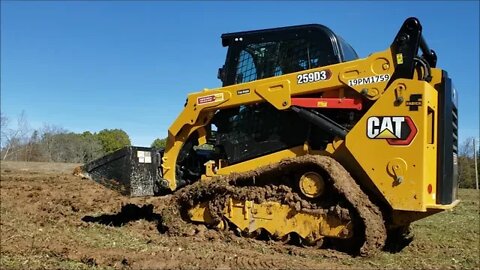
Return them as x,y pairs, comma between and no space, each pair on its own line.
255,263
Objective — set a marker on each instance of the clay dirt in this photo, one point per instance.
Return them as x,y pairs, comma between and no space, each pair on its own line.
52,219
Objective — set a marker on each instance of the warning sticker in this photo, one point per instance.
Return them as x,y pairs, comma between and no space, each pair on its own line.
210,99
243,92
322,104
144,157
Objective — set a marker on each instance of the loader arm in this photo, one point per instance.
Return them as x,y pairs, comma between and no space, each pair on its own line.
278,91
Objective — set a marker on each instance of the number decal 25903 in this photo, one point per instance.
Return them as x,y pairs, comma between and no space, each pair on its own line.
315,76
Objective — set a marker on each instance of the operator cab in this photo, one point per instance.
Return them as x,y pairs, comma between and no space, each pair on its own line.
248,131
254,55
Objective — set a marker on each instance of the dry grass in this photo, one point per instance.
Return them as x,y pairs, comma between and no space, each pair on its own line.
445,240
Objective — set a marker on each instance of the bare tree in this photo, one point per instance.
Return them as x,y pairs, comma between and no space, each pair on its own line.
4,121
466,148
13,138
466,164
48,141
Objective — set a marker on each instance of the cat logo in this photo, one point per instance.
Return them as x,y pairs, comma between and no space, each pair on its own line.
397,130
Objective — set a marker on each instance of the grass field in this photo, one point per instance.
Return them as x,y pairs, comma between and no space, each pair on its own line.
43,207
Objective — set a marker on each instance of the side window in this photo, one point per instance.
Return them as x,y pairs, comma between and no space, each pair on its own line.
246,70
349,53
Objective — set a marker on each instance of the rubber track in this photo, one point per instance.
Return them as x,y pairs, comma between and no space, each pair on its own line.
218,189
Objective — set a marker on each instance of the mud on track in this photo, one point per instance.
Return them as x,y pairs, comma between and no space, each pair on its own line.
241,186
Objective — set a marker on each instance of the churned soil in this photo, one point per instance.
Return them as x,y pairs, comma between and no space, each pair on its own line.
52,219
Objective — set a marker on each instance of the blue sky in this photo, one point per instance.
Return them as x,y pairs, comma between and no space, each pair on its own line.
92,65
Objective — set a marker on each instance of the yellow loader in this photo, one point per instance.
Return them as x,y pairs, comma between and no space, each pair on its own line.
307,141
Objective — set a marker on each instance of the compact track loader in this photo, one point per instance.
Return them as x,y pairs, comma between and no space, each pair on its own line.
306,141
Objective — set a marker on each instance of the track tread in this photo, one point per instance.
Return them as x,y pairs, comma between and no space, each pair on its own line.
219,188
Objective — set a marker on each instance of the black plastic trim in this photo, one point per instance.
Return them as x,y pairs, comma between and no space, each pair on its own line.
447,172
279,33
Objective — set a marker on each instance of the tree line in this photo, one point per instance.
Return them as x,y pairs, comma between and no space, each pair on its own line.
466,163
51,143
55,144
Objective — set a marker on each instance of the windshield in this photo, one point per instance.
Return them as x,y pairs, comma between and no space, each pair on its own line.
259,54
348,52
268,59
